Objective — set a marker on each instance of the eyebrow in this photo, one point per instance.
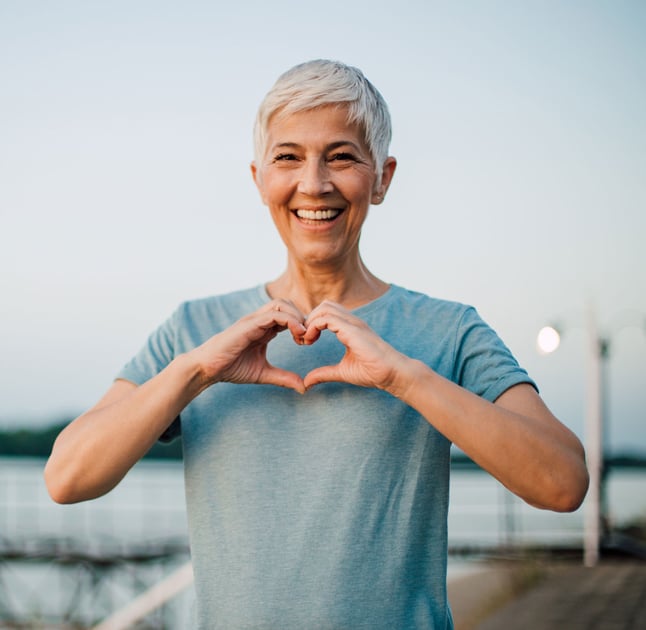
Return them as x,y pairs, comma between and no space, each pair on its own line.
329,147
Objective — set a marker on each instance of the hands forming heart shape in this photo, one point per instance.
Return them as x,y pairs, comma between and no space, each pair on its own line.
239,353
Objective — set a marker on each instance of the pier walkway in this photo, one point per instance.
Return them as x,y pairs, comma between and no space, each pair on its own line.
610,596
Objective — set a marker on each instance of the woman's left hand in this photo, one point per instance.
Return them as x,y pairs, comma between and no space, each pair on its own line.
543,461
369,361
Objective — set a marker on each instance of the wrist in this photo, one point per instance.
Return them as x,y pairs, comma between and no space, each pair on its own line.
192,373
408,375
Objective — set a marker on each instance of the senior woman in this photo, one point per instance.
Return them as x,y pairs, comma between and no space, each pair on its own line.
317,410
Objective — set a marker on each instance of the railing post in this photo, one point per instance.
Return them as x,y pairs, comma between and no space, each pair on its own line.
593,444
150,600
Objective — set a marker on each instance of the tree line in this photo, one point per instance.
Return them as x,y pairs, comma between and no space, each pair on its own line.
39,442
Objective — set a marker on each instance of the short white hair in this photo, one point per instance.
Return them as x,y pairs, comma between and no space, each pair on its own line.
322,82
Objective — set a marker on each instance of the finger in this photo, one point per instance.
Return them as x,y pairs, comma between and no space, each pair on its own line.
311,334
284,306
283,378
323,374
298,330
282,320
331,321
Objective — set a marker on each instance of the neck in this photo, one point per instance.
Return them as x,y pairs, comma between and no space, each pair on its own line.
308,286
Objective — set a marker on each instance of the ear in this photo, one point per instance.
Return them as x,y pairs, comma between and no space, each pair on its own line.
381,187
257,178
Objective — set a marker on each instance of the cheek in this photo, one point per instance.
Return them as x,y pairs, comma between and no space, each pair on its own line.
276,190
359,192
357,184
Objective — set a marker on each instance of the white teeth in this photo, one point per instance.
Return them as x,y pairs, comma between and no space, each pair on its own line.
317,215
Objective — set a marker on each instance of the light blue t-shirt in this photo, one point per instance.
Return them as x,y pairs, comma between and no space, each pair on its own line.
326,510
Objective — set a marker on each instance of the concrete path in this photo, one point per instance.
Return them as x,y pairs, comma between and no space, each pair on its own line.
611,596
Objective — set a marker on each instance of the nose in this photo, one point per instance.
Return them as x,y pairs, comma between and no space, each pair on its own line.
315,179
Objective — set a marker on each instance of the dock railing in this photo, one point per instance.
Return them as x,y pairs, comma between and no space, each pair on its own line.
134,542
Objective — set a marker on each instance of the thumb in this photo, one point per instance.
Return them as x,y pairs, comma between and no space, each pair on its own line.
324,374
283,378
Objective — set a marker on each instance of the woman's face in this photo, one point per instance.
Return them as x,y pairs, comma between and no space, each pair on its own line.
318,179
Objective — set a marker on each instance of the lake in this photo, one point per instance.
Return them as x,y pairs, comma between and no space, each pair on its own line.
109,548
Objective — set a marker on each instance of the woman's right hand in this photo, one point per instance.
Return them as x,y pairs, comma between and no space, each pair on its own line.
95,451
239,353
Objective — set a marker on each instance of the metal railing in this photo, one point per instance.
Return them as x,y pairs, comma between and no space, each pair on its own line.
142,523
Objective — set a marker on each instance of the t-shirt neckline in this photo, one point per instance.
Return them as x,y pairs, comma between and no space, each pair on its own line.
264,296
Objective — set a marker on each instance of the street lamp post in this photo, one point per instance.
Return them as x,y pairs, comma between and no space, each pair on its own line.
548,341
593,512
598,351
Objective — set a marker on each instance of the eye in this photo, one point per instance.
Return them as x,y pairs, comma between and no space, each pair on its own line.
342,156
284,157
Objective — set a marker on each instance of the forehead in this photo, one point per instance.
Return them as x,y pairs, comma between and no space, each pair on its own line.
324,125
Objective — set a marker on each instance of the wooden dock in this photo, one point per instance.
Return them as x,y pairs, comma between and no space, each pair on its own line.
609,596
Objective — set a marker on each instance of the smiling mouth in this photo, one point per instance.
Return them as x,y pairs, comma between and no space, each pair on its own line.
318,215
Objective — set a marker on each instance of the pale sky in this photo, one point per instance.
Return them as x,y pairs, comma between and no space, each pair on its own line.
125,142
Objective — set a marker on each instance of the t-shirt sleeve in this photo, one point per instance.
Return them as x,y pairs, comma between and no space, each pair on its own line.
154,356
483,363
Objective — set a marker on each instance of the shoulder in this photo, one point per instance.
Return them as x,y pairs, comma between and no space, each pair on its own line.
414,304
227,305
465,347
416,322
200,318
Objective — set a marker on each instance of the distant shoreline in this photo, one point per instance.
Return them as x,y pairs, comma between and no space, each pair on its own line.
38,443
619,461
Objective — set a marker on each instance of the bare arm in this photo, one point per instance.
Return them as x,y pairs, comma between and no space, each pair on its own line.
516,439
93,453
